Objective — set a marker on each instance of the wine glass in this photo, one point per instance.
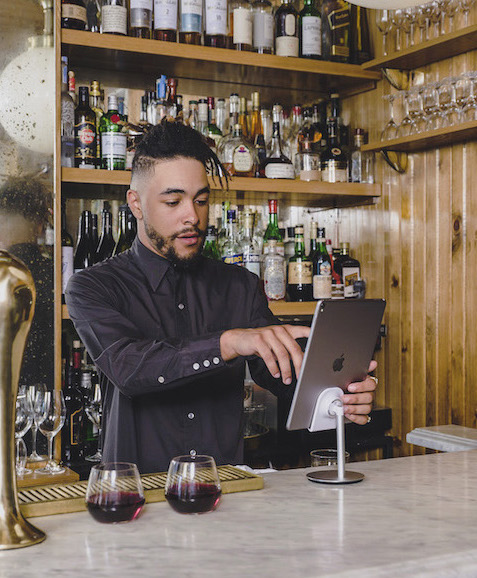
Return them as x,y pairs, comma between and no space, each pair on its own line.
384,23
115,493
469,111
94,412
54,412
192,484
465,6
406,126
36,393
23,422
390,130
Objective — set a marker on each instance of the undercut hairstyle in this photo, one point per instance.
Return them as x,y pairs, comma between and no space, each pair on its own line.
170,140
27,197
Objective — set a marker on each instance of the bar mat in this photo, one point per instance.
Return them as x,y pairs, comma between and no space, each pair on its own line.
67,498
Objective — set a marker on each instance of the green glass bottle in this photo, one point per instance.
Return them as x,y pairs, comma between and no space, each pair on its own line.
272,231
309,28
124,240
211,250
113,137
322,281
300,271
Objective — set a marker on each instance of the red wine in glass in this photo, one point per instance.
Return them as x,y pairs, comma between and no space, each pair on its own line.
114,507
193,498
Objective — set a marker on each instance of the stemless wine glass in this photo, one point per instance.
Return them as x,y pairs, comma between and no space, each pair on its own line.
35,394
54,411
23,422
94,412
115,493
192,485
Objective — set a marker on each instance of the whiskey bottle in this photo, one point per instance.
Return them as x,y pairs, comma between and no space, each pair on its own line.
310,31
140,18
165,20
67,119
215,23
113,137
349,270
85,132
263,26
334,162
190,21
114,17
360,46
300,271
277,165
73,14
241,23
335,30
286,30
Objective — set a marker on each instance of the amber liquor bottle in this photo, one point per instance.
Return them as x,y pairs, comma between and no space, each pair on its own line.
140,18
73,14
335,29
165,20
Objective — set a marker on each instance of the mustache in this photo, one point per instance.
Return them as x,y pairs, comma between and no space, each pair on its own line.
189,231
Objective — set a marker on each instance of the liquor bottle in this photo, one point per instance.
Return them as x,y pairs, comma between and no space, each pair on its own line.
67,254
263,26
160,103
360,46
93,15
114,17
362,162
190,21
335,278
241,24
215,23
193,119
310,31
349,270
140,18
86,390
256,127
321,268
220,115
291,136
274,273
72,85
306,132
67,119
165,20
214,134
106,242
243,118
335,30
85,132
203,117
124,241
94,234
84,253
286,30
113,137
231,250
250,247
73,429
272,232
319,126
300,271
238,155
334,162
73,14
211,249
97,106
277,165
313,241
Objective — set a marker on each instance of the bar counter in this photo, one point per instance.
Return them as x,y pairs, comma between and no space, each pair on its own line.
414,516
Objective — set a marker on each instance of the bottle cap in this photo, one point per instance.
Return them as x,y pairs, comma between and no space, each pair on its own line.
298,230
112,102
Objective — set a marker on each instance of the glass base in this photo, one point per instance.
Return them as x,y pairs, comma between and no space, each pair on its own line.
51,468
23,471
34,457
97,457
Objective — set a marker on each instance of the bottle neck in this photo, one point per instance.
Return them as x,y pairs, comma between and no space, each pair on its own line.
299,245
123,223
333,134
107,223
276,149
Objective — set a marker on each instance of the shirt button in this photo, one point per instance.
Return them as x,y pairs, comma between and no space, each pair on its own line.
196,366
193,453
181,306
160,379
206,363
190,415
216,360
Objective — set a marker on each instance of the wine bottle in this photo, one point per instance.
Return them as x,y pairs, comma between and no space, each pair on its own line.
334,162
286,30
85,132
124,240
165,20
73,14
67,254
215,23
140,18
300,271
72,431
272,232
114,17
335,30
67,119
310,31
360,45
190,21
106,242
84,253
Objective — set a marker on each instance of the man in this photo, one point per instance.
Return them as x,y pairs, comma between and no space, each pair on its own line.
170,330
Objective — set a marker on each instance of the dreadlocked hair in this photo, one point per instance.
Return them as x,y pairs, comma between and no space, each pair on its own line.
170,140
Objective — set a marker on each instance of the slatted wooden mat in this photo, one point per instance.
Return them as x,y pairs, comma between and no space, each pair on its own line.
67,498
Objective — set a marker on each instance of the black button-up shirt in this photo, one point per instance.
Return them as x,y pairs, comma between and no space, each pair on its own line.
153,332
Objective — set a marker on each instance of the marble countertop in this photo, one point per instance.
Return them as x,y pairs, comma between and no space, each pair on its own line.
413,516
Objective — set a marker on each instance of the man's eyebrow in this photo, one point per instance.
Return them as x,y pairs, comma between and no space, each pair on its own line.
174,191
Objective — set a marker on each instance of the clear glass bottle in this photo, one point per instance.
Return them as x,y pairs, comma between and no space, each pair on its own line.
214,134
140,18
310,31
165,20
114,17
211,249
238,155
220,115
263,26
231,249
277,165
190,15
307,163
362,162
274,273
250,247
215,23
67,119
193,119
286,30
203,117
241,23
300,271
113,138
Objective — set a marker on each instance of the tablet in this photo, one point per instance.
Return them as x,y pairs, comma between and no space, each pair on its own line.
338,352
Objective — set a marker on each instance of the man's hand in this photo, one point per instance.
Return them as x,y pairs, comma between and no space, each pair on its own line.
275,344
359,401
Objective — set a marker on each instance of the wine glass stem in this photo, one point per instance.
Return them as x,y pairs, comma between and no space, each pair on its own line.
100,441
34,431
50,450
385,52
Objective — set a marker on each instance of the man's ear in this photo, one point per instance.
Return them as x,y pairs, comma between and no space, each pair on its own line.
134,202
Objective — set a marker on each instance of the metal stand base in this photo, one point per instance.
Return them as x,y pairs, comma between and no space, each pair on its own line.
329,407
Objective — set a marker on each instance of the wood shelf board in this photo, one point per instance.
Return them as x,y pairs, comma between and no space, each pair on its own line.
217,65
434,50
429,139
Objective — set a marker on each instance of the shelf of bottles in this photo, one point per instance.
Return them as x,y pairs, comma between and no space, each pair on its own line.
433,50
428,140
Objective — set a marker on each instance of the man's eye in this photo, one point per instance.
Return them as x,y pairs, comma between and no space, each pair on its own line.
172,203
202,202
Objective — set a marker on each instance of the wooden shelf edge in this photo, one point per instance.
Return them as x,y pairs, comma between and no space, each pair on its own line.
219,55
429,139
433,50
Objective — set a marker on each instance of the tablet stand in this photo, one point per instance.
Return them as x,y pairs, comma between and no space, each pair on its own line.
329,414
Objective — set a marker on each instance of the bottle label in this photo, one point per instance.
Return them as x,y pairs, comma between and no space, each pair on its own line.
67,119
286,45
114,19
300,273
141,13
251,262
85,140
280,247
165,14
334,172
324,268
242,26
242,159
233,259
74,12
311,34
339,22
67,256
279,171
216,17
290,25
274,282
262,30
113,145
75,427
141,4
322,286
191,16
350,275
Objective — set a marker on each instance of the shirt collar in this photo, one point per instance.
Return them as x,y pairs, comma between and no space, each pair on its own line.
152,265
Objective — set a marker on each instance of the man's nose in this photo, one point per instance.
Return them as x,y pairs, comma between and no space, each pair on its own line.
190,215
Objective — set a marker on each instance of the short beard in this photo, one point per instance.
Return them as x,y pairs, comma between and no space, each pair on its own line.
166,249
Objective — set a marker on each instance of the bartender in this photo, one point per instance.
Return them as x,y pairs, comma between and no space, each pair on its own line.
170,331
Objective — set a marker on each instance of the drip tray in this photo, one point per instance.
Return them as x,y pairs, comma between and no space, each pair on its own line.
70,497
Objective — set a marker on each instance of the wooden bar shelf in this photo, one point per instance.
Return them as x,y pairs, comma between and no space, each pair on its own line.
428,140
423,53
